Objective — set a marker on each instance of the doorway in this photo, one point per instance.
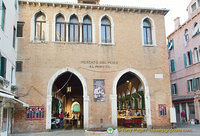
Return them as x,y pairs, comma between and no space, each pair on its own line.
130,102
145,85
67,98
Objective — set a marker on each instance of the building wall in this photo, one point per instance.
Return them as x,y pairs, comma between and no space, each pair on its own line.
6,38
7,51
181,47
42,60
192,13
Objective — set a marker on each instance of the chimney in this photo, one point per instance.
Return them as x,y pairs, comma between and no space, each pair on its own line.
177,23
89,1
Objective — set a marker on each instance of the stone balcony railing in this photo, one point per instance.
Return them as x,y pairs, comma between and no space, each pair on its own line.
7,87
4,84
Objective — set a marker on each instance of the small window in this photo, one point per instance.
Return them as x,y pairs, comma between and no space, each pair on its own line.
105,30
189,85
73,29
194,6
14,36
3,16
147,32
19,66
162,110
189,57
3,67
87,30
20,26
174,89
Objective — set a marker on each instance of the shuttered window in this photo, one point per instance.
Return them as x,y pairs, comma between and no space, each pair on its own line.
172,66
3,16
198,82
193,84
3,67
15,4
14,36
185,59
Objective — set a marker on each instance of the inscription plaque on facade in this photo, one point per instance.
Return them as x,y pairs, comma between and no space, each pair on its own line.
99,63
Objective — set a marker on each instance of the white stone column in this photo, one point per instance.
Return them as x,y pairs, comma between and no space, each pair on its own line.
93,33
48,112
187,111
67,32
1,116
113,99
180,108
47,31
81,33
32,32
53,32
86,111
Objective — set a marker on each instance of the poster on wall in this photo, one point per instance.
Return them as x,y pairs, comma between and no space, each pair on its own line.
35,112
99,92
162,110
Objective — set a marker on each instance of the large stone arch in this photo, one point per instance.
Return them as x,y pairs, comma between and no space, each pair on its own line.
113,97
49,96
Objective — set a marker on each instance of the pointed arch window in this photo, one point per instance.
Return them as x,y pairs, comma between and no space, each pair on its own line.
60,28
105,30
74,29
195,29
196,55
147,32
87,29
40,26
186,35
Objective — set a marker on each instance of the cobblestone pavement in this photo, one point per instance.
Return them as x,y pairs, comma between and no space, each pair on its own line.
194,131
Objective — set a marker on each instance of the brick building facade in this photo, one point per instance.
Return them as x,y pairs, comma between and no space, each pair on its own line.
89,55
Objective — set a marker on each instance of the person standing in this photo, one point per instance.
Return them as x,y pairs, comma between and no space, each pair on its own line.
183,117
61,118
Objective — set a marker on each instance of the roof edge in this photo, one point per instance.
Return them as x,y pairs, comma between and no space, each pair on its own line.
163,10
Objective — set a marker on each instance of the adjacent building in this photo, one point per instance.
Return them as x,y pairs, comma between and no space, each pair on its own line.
8,55
105,64
184,59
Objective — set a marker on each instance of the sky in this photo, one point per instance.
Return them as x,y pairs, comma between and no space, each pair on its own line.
177,8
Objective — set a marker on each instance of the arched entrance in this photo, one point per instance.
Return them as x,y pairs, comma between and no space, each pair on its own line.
67,92
123,79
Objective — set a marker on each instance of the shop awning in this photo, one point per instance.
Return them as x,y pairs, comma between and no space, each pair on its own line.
13,98
187,98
